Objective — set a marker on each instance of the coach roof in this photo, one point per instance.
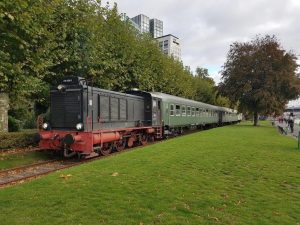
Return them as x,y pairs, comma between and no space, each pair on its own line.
180,100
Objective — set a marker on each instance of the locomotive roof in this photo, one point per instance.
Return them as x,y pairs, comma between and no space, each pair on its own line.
114,92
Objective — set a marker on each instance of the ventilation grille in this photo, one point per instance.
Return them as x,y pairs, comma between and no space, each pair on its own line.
65,109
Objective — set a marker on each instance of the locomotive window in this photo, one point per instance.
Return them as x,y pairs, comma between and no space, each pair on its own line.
172,111
183,111
197,111
154,104
193,111
188,111
177,110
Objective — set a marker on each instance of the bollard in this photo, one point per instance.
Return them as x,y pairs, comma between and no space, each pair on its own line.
299,140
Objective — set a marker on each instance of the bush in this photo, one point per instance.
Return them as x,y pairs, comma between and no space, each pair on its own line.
17,139
30,123
14,124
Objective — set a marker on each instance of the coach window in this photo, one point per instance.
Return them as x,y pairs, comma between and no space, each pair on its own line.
183,111
177,110
172,110
188,111
200,112
193,111
197,111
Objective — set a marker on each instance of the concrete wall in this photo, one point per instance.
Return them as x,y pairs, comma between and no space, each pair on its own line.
4,105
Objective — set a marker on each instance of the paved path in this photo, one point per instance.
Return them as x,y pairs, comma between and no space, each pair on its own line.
284,126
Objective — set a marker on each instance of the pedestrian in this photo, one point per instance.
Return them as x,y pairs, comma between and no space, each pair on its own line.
291,122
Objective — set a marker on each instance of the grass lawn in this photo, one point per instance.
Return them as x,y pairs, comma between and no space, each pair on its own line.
8,160
231,175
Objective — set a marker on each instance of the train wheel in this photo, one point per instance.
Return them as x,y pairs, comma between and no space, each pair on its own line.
130,141
81,156
106,149
151,138
144,139
120,145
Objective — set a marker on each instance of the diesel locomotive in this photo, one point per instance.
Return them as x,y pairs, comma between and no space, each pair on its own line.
86,119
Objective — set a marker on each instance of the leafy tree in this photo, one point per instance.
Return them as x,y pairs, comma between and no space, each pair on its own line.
260,75
203,74
204,86
24,50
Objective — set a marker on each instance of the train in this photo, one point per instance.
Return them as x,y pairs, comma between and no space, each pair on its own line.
86,119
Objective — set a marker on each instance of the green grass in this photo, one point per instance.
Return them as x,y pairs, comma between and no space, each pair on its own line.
231,175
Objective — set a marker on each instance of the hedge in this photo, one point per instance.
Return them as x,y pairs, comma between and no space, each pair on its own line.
17,139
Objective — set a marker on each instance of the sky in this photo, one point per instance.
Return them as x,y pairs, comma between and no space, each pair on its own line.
207,28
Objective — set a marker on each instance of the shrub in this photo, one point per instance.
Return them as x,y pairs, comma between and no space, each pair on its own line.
14,124
17,139
30,123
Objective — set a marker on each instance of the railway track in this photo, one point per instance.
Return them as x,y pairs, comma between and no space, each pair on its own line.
19,150
20,174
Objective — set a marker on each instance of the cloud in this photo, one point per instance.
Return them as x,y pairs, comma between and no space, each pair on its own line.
207,28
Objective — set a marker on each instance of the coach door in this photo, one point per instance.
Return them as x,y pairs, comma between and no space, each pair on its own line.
156,111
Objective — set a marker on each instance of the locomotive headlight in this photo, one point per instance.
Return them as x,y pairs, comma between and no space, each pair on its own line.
61,87
46,126
79,126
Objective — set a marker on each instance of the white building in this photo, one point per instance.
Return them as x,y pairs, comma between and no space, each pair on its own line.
170,45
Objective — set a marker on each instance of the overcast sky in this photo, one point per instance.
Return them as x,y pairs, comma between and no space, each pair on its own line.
207,28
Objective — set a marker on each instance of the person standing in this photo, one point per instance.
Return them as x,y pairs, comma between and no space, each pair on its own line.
291,122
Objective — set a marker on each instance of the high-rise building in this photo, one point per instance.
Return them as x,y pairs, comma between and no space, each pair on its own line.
143,22
170,45
156,28
125,18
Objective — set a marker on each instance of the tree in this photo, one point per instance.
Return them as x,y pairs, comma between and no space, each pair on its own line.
204,86
24,53
260,75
